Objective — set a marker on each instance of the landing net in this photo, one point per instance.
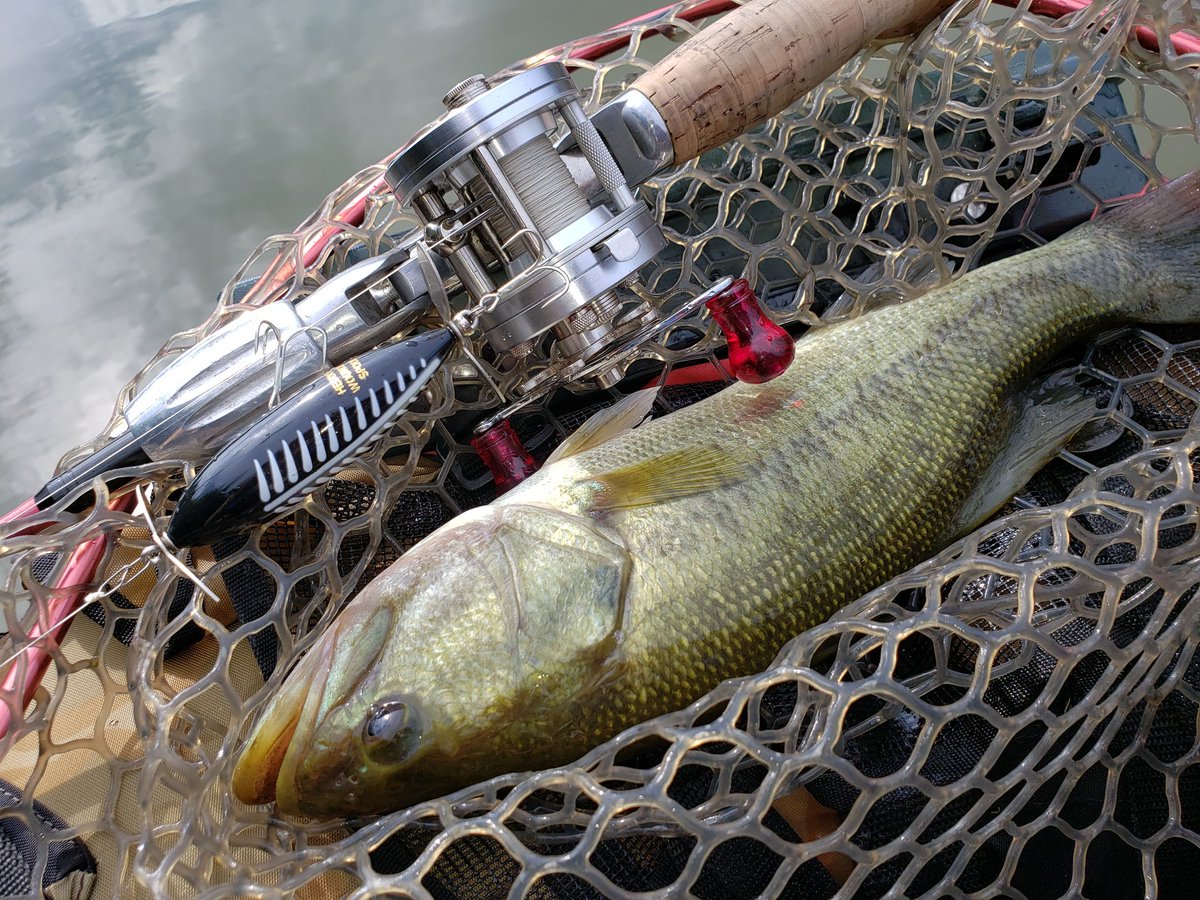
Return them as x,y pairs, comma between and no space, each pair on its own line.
1017,716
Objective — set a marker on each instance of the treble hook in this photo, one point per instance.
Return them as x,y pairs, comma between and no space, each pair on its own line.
270,328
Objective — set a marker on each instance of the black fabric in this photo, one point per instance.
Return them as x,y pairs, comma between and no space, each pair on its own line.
252,592
19,847
1112,867
738,869
417,513
125,628
43,565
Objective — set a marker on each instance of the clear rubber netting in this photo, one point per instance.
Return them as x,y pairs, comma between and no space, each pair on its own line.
1017,716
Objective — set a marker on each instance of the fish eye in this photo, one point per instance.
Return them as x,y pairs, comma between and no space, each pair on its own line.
391,731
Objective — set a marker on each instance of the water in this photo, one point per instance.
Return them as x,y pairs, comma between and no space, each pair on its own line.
147,146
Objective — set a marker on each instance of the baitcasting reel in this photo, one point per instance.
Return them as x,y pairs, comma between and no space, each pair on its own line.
540,236
532,249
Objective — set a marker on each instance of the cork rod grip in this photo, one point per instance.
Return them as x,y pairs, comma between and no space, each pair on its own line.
760,58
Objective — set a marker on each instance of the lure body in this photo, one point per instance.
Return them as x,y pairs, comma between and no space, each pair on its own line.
305,441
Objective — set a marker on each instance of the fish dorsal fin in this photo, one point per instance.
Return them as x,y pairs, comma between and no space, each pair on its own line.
624,415
670,476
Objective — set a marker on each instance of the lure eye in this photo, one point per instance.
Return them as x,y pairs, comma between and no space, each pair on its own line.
391,731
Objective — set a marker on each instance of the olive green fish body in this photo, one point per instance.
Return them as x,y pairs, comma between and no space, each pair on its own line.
858,459
629,579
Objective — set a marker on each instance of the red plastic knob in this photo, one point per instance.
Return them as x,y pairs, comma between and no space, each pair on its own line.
504,455
759,349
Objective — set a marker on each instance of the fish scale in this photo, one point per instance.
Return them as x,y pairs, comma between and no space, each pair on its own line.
608,588
938,402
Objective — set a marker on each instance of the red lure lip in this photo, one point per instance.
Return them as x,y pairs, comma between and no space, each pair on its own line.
759,350
504,455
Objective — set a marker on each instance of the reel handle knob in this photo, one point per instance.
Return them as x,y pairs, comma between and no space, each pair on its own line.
759,350
504,455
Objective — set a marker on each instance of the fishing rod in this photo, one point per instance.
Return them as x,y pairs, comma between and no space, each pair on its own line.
539,237
351,211
28,665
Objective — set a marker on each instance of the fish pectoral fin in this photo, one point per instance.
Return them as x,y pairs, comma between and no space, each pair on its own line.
624,415
679,473
1048,416
812,820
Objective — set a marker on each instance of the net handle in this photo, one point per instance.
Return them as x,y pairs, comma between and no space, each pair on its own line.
25,672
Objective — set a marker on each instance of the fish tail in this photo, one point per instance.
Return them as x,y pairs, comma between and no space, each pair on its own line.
1162,229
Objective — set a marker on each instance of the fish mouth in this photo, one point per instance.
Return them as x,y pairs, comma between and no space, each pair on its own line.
266,767
257,769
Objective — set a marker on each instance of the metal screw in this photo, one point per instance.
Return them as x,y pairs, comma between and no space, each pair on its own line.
465,91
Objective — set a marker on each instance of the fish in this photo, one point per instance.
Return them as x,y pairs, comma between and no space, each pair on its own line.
642,566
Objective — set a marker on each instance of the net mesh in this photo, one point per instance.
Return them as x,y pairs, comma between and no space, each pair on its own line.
1017,716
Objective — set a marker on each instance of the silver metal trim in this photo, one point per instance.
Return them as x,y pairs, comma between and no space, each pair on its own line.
636,135
572,278
459,131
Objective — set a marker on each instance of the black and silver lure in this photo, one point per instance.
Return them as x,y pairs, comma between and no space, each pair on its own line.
204,397
281,459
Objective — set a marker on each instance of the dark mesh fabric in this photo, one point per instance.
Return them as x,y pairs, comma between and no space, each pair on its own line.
417,513
20,849
253,593
125,627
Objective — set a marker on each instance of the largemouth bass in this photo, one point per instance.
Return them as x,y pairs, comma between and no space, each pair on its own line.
631,575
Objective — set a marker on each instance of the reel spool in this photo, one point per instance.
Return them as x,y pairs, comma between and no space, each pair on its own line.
534,253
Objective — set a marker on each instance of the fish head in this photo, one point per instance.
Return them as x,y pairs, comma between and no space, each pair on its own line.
468,658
